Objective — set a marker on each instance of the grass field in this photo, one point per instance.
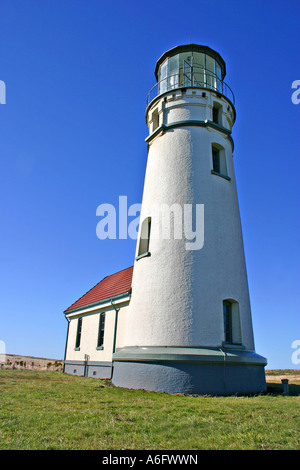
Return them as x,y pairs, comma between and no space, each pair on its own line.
50,410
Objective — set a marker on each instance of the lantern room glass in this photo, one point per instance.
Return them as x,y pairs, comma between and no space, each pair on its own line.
189,69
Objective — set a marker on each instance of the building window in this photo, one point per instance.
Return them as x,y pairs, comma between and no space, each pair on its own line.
232,327
78,333
217,114
219,161
145,238
100,341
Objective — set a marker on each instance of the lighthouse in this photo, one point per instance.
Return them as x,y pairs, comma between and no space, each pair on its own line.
188,326
178,320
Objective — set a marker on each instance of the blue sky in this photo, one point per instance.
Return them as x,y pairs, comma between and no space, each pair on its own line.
72,136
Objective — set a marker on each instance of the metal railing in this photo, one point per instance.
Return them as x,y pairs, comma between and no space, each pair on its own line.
196,77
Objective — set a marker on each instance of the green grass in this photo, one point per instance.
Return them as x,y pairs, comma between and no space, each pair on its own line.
50,410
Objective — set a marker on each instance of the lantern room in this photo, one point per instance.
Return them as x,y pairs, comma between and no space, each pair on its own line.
190,65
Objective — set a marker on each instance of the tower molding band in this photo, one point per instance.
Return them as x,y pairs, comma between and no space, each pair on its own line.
195,355
190,123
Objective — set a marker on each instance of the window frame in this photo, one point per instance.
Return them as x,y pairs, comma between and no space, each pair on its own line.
216,159
221,168
217,114
232,324
78,334
227,318
101,331
155,119
144,241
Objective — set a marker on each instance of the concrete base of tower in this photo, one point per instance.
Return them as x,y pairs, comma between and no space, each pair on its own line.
201,371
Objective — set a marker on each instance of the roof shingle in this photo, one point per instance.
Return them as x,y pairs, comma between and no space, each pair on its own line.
109,287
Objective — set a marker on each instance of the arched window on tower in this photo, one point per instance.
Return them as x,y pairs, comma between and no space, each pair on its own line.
232,325
219,165
144,238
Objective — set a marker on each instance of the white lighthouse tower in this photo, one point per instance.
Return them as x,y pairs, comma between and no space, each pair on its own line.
188,328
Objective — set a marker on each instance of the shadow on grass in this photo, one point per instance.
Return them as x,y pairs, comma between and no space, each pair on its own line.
277,389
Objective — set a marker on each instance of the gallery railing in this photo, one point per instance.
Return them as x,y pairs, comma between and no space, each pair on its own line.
196,77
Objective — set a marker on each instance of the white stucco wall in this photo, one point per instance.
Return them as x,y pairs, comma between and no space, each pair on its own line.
122,320
89,335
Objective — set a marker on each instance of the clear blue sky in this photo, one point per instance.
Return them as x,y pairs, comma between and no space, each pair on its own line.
77,73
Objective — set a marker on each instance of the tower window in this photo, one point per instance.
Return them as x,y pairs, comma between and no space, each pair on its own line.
227,321
219,166
216,159
232,327
100,341
217,113
145,238
78,333
155,120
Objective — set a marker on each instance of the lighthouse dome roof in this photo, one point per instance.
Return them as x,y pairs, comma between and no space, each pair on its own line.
191,48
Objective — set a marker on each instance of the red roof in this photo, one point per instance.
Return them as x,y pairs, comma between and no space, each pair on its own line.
109,287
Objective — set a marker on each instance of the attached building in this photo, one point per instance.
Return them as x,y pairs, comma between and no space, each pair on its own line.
95,326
